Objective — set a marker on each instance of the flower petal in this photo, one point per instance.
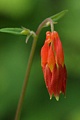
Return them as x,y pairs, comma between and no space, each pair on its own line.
48,36
44,54
55,82
51,58
47,77
59,54
64,77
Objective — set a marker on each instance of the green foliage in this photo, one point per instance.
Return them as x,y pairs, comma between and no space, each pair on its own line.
16,31
59,15
24,31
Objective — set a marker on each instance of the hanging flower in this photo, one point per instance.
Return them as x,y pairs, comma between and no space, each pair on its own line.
52,62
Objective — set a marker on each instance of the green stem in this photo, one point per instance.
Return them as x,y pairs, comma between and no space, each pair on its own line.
29,66
47,20
26,78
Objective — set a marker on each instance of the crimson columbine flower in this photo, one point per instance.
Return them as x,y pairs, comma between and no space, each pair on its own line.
52,62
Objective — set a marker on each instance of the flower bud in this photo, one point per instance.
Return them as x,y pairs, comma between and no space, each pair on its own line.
52,62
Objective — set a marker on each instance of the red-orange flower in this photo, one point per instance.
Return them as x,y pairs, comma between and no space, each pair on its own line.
52,62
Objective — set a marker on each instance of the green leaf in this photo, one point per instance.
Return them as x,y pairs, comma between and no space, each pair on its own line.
24,31
56,17
59,15
16,31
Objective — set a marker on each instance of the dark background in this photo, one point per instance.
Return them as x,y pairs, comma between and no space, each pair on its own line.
14,53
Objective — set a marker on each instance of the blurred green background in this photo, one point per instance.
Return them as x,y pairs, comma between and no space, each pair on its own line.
14,55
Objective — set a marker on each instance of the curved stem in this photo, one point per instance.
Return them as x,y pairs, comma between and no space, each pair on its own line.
26,79
47,20
29,66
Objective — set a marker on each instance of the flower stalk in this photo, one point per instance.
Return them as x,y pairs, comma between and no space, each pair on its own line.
48,20
26,79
